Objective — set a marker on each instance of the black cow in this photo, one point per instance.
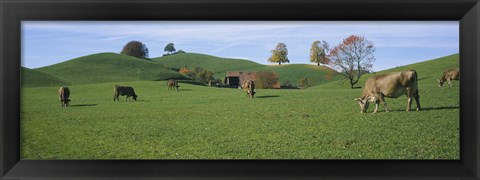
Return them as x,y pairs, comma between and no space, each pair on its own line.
124,91
64,94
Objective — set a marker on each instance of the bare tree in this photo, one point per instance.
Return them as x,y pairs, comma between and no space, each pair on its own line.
353,58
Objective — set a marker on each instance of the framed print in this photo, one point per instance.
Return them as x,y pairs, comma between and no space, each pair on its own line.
239,89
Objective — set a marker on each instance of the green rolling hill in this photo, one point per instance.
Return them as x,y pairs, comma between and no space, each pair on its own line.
109,67
212,63
35,78
428,72
112,67
291,72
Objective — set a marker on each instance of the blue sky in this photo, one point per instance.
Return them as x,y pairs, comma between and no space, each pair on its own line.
397,42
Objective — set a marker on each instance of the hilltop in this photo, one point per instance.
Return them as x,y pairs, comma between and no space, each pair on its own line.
109,67
212,63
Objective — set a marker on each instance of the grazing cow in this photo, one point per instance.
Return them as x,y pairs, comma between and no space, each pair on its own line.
390,85
124,91
249,87
172,84
64,94
449,75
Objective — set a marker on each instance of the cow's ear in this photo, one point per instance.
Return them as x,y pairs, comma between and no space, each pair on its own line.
438,80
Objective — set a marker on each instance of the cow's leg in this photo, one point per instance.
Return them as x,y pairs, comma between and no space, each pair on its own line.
376,107
417,99
449,82
382,100
409,103
409,95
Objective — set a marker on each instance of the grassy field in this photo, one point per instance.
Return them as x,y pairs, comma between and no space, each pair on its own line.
199,122
217,123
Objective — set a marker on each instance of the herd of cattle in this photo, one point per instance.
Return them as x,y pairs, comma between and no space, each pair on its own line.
391,85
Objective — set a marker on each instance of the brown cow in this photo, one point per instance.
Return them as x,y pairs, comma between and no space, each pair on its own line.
64,94
390,85
124,91
172,84
449,75
249,87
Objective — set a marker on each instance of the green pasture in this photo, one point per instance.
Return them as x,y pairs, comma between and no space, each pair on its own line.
201,122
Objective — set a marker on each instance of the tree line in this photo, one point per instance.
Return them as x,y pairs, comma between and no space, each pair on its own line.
352,58
140,50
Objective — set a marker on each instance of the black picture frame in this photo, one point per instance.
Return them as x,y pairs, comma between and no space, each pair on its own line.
12,12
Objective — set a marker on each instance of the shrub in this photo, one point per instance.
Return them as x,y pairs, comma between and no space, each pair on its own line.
304,83
265,80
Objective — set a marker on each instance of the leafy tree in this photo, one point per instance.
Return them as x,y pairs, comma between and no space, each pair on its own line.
279,54
318,52
135,49
170,48
353,58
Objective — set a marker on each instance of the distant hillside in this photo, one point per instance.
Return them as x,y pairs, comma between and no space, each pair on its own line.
294,72
212,63
428,71
290,72
112,67
35,78
108,67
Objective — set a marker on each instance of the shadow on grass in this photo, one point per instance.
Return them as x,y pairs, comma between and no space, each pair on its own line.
82,105
423,109
184,89
439,108
271,96
423,78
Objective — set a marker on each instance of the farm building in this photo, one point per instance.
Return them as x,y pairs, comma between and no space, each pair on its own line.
236,78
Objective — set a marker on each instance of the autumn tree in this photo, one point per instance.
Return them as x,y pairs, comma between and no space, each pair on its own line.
136,49
279,54
353,58
304,83
318,52
266,80
198,73
169,48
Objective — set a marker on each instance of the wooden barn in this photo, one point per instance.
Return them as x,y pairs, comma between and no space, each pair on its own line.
236,78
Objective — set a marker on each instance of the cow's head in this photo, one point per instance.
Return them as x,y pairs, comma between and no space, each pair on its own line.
364,102
135,97
440,82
